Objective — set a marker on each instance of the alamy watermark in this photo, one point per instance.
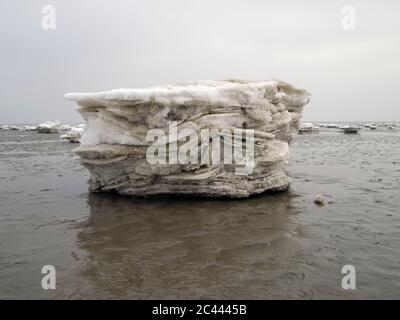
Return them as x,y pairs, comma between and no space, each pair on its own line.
348,17
48,21
349,280
49,280
208,147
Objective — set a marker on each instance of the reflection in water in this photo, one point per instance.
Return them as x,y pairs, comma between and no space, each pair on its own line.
189,248
272,246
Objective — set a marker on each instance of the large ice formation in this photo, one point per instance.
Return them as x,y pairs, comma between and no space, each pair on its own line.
115,143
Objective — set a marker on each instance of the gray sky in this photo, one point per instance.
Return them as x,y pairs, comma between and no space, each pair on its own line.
106,44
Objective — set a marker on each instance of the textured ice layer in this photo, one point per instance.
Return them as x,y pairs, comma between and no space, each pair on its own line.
113,146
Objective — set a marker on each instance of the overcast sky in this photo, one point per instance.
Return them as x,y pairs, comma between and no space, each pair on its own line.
106,44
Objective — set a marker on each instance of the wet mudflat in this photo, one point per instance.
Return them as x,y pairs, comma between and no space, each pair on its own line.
279,245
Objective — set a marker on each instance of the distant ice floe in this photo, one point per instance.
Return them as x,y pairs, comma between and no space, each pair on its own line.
329,125
347,127
64,128
18,128
29,128
309,127
351,129
9,127
73,135
49,127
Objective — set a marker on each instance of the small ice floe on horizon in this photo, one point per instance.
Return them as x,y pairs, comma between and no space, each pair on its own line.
308,128
73,135
9,127
328,125
370,125
350,129
389,125
49,127
64,128
332,126
29,128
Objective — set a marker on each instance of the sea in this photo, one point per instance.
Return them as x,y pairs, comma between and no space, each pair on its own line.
272,246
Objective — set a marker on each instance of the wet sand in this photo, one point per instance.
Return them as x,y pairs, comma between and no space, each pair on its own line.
279,245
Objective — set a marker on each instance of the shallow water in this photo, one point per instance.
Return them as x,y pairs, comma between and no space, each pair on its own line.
279,245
